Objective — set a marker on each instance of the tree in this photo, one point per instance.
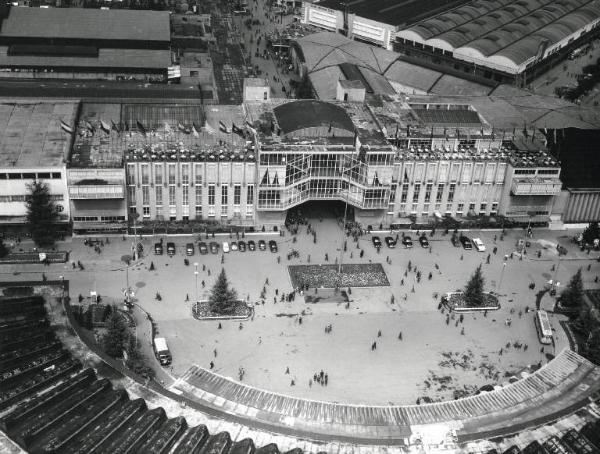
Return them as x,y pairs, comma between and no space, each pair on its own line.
222,299
592,347
591,233
3,249
474,288
117,335
136,361
572,295
41,214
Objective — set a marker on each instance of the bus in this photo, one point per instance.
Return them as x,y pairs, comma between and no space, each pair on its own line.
544,330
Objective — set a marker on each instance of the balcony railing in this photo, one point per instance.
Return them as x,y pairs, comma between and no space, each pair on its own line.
108,191
535,186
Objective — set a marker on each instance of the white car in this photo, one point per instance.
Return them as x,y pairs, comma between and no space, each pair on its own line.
478,244
225,246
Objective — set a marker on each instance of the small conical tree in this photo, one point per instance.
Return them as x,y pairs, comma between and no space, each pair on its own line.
117,335
41,214
572,295
474,288
3,249
222,299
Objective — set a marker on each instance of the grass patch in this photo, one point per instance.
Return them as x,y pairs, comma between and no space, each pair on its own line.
327,276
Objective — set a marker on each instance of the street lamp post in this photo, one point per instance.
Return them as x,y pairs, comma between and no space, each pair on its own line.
196,277
501,276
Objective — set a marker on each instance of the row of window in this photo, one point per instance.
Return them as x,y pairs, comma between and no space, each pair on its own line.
24,198
98,218
30,176
185,191
460,207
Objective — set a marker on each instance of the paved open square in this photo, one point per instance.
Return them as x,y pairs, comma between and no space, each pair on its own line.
387,344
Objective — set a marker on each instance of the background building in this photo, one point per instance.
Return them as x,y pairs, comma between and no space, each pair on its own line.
511,41
77,43
373,21
33,146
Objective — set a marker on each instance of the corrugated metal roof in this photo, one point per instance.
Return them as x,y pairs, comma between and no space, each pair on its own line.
83,23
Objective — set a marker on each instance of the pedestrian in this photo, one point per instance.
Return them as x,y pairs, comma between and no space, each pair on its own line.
212,365
287,370
379,333
215,352
187,297
326,379
309,383
400,335
241,326
220,326
203,284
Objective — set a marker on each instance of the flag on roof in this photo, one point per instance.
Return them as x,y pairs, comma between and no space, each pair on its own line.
223,128
105,126
115,127
140,126
195,130
65,127
236,130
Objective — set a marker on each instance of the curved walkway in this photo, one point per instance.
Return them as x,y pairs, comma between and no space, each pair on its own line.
559,387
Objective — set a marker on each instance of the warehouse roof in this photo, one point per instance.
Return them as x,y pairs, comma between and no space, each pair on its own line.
31,135
392,12
309,114
83,23
506,32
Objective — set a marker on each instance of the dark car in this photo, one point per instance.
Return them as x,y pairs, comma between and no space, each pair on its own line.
214,247
423,241
376,242
262,245
390,242
466,242
273,246
203,248
158,249
455,241
189,249
242,246
251,245
407,241
171,248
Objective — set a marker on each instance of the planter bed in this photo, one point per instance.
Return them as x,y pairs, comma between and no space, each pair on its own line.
327,276
34,257
201,311
455,302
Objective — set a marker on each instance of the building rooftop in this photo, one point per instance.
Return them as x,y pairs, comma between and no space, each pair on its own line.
85,23
256,82
31,135
392,12
158,132
505,33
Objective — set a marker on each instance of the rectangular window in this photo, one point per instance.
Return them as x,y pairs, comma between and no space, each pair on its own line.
132,210
186,195
459,208
198,211
393,194
250,195
185,174
483,208
159,198
448,208
198,198
237,194
41,176
159,212
224,190
29,176
158,174
404,195
211,196
198,173
145,174
471,207
145,195
428,188
56,175
451,191
131,195
130,173
146,212
172,195
440,193
416,192
171,173
494,208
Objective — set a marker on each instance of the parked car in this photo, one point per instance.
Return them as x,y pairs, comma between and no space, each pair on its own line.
479,244
242,246
273,246
202,248
455,241
466,242
251,245
376,242
214,247
189,249
407,241
225,246
423,241
390,242
233,246
262,245
171,248
158,249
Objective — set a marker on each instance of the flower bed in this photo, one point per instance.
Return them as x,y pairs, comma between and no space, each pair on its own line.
327,276
34,257
201,311
455,301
